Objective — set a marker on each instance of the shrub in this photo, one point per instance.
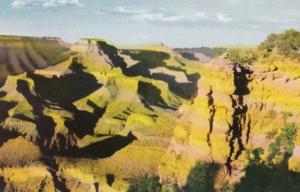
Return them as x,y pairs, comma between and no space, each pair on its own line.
170,188
202,177
242,56
285,141
146,184
271,114
286,44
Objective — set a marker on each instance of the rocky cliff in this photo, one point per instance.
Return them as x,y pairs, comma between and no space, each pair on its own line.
118,119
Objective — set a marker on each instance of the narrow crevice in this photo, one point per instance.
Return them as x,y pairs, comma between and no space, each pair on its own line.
212,112
43,184
2,184
248,129
59,183
239,116
96,185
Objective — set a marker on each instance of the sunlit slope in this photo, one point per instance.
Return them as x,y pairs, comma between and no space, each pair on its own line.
107,106
20,54
112,118
245,119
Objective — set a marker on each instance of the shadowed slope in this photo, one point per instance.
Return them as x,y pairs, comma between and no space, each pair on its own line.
150,96
21,54
45,124
4,134
101,149
63,91
148,60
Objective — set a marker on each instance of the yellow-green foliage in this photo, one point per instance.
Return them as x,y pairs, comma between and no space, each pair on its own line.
58,117
286,44
277,89
242,56
26,128
294,164
22,107
135,160
169,143
29,179
18,152
78,180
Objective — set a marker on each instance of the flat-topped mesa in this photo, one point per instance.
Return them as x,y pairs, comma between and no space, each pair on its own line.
14,41
20,54
16,37
89,41
86,45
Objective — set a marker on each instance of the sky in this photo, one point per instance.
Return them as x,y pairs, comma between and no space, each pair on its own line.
177,23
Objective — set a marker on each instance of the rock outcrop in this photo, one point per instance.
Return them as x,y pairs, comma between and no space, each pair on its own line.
105,117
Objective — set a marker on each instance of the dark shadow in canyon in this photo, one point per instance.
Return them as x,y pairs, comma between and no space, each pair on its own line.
5,106
67,88
45,124
59,182
150,95
212,112
184,90
2,184
101,149
110,178
150,60
63,91
202,177
239,116
2,94
269,178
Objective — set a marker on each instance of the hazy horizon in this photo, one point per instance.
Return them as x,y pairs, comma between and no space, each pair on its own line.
190,23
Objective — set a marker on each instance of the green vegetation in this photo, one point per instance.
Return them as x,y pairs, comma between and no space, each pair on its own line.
146,184
263,178
217,51
152,184
263,175
118,119
286,44
242,56
284,143
202,177
170,188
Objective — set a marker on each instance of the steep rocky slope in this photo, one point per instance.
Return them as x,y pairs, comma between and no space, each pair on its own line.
202,54
20,54
124,119
243,116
